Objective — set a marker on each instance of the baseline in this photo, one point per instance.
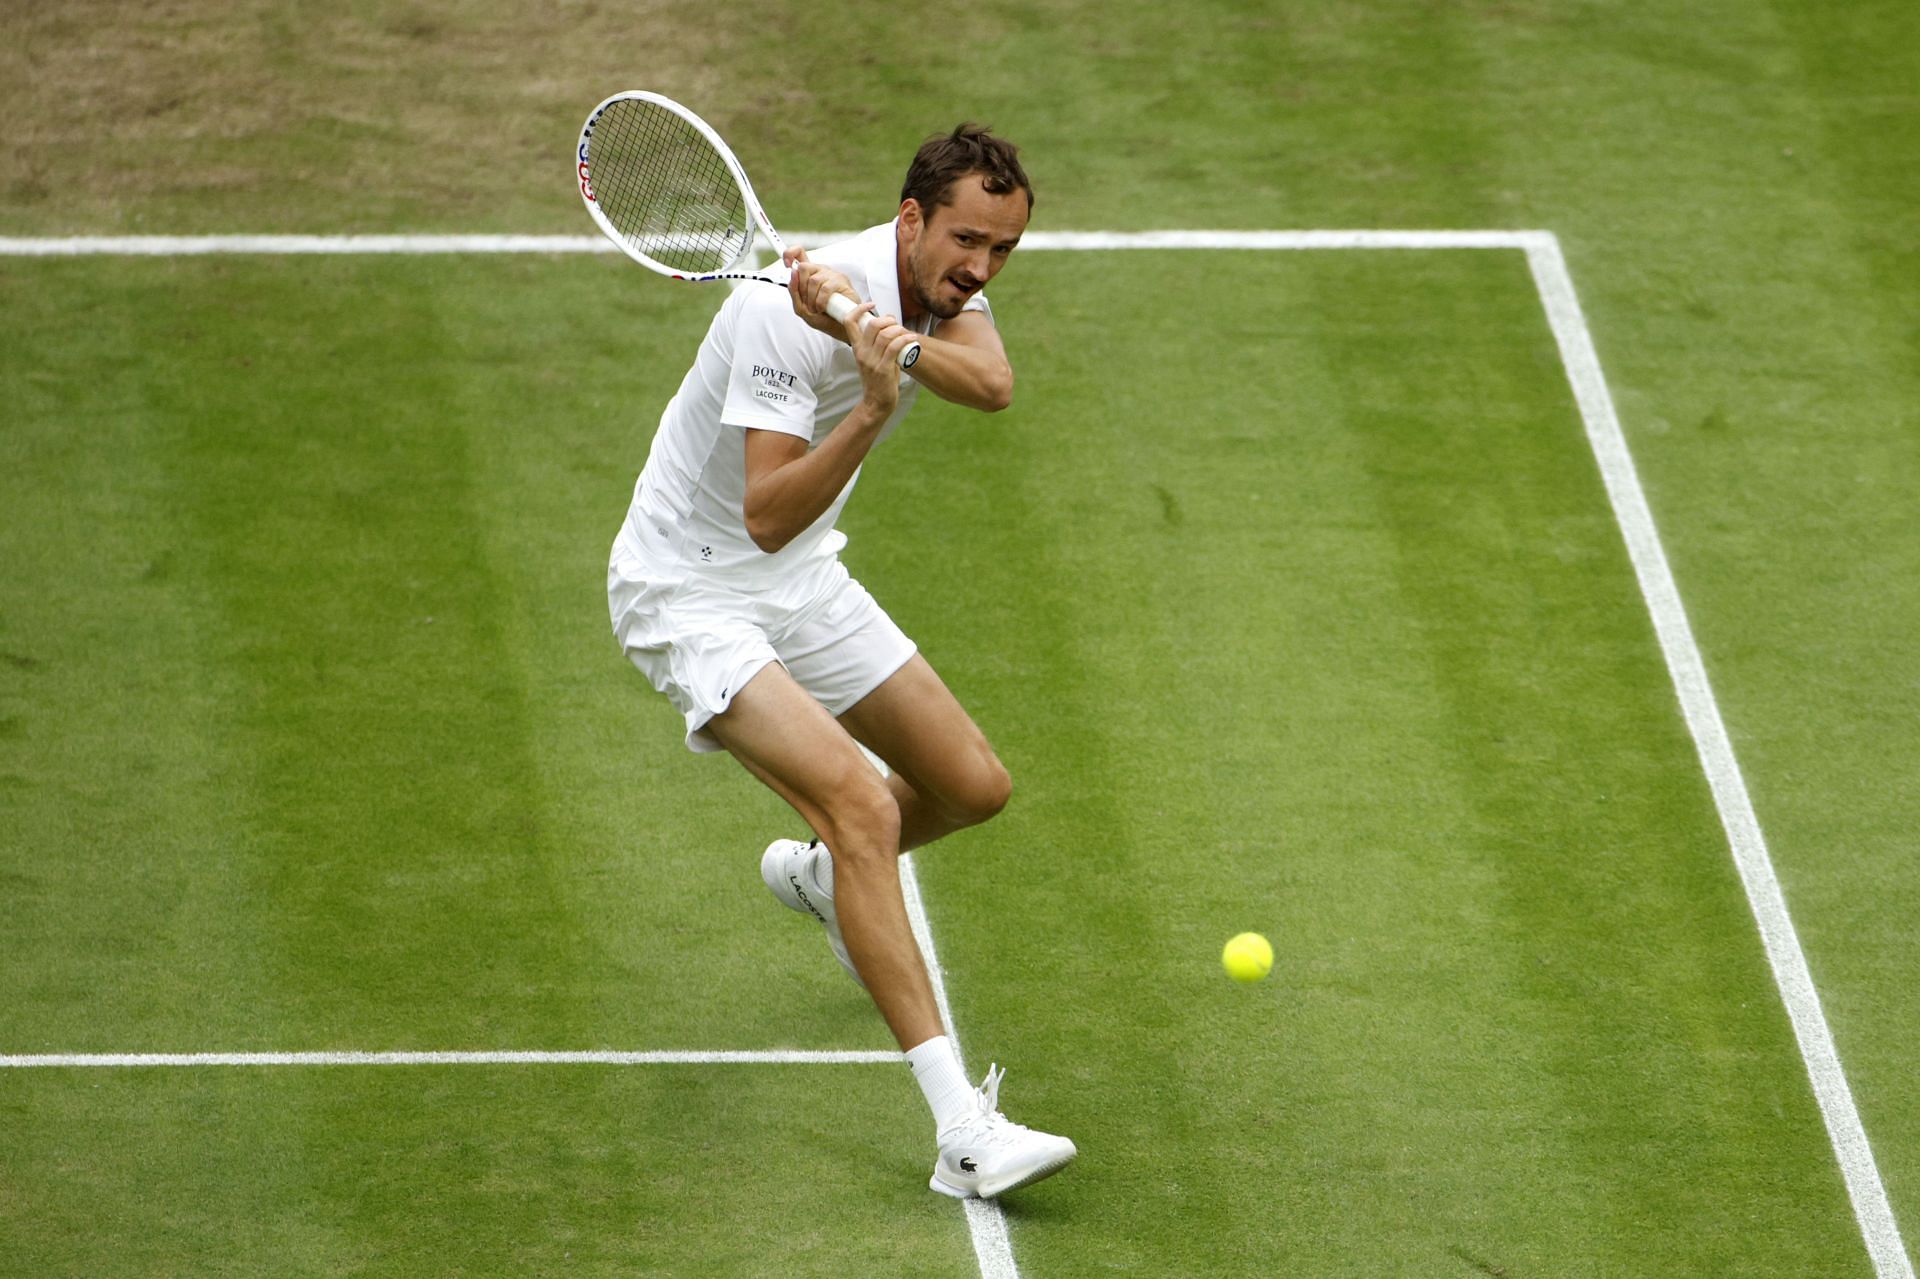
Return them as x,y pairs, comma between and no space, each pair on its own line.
194,245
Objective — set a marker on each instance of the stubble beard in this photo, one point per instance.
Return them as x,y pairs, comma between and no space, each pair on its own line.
925,301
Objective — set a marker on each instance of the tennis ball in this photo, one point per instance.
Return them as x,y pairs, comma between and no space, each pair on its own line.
1247,957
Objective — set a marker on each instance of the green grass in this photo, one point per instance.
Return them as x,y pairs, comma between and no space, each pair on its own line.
458,1171
1343,647
312,734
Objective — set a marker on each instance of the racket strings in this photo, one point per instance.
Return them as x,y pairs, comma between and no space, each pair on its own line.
666,189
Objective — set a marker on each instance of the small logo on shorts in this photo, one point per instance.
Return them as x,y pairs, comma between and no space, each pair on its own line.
706,552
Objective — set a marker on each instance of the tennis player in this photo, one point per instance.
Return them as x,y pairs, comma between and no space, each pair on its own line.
727,591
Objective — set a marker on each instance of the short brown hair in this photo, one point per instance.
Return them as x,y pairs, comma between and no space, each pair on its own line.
945,158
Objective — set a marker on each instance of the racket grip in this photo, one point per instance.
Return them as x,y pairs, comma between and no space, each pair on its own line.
840,306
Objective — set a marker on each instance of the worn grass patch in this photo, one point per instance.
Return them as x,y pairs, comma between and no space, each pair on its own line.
274,116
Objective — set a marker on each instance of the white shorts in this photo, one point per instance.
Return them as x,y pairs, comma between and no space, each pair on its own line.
699,641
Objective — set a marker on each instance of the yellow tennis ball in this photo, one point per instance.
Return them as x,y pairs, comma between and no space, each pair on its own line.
1247,957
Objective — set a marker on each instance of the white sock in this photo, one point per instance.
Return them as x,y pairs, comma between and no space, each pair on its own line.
936,1068
823,870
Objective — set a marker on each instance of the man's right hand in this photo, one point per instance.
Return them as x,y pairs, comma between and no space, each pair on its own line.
877,350
810,285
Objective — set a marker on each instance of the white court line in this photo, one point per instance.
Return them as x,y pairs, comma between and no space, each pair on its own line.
192,245
1689,674
664,1057
1631,511
986,1222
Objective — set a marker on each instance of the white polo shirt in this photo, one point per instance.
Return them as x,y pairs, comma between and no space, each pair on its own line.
761,366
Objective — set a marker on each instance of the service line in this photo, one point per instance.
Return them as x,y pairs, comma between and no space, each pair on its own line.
590,1057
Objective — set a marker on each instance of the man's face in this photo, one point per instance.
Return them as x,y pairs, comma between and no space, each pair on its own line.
956,248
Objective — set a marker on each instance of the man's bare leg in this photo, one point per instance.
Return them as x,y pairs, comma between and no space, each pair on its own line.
945,774
789,741
947,777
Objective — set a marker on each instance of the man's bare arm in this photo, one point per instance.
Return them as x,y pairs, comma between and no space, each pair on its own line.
967,364
788,488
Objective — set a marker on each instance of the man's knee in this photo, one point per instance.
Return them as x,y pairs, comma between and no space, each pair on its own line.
985,791
863,819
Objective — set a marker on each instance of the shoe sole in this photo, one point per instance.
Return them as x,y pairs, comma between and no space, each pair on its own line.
990,1190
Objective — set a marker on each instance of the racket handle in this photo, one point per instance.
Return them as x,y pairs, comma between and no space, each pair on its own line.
840,306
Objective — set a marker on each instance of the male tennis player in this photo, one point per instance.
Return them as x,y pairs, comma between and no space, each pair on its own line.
727,591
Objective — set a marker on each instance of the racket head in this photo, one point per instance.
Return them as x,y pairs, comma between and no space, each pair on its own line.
659,182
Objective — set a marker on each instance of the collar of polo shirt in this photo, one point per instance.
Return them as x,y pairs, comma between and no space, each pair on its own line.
880,255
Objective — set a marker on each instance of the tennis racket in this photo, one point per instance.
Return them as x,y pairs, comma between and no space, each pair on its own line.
662,185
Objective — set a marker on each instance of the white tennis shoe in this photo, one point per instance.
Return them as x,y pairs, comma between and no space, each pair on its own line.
788,867
986,1153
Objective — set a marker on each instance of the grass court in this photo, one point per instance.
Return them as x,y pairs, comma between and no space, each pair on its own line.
1288,590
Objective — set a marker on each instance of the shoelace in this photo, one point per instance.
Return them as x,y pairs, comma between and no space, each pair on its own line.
989,1090
988,1122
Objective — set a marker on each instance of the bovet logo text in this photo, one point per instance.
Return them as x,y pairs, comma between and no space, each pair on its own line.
774,384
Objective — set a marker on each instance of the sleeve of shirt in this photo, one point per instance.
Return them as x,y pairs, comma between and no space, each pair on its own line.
770,385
